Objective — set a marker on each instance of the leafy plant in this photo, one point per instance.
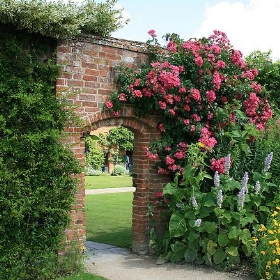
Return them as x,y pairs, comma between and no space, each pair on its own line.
62,20
36,168
119,170
267,248
95,156
214,223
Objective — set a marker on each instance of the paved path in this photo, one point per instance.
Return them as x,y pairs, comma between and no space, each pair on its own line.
116,263
110,190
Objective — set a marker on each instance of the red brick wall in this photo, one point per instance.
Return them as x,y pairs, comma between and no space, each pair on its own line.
87,79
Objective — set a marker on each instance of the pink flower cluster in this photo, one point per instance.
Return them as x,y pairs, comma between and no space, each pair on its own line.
258,111
207,139
218,165
209,76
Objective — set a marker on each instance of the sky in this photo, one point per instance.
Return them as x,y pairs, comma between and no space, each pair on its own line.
249,24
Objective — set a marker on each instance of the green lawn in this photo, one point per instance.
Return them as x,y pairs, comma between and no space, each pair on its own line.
109,218
107,181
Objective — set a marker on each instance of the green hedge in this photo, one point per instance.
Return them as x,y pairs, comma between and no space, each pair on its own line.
36,189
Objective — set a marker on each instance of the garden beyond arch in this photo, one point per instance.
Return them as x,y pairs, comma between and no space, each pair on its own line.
87,80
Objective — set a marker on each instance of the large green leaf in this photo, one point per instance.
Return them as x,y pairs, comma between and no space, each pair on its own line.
219,256
178,251
222,239
232,251
177,225
190,255
211,247
233,233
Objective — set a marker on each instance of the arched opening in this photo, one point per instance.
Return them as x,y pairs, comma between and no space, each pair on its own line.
145,178
109,191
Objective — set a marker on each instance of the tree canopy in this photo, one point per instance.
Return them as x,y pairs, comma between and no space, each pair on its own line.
62,20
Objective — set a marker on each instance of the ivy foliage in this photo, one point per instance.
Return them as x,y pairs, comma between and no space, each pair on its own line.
122,137
36,186
95,156
62,20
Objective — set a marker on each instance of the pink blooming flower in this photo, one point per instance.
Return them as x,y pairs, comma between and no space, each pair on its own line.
137,93
186,121
162,105
236,58
152,33
169,160
215,48
192,128
173,167
210,96
210,116
116,113
109,104
169,98
137,82
218,165
159,194
196,117
183,145
224,99
256,87
122,97
150,155
207,139
195,94
161,127
168,149
179,155
187,107
162,171
221,64
172,46
182,90
171,112
211,57
198,61
147,92
217,80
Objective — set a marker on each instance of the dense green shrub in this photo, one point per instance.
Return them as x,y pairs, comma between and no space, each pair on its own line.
119,170
62,20
92,172
94,156
36,186
122,137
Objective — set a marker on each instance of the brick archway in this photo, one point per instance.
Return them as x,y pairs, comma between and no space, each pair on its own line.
145,178
87,79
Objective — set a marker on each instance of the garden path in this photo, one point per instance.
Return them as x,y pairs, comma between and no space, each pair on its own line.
110,190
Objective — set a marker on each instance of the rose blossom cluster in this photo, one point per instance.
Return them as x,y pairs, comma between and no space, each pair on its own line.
188,82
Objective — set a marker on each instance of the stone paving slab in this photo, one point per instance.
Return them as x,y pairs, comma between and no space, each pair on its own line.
110,190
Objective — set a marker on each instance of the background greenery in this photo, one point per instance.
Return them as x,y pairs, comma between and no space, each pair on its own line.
62,19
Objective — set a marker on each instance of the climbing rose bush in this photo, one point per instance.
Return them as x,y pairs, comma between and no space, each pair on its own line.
205,93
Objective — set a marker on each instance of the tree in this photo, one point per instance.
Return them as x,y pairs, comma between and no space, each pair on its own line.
269,75
62,20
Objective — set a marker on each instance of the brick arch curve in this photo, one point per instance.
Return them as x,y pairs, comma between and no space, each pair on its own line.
145,178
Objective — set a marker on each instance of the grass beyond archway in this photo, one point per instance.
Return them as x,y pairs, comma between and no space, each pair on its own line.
109,216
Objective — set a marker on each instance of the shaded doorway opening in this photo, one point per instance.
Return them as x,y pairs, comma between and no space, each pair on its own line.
109,192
